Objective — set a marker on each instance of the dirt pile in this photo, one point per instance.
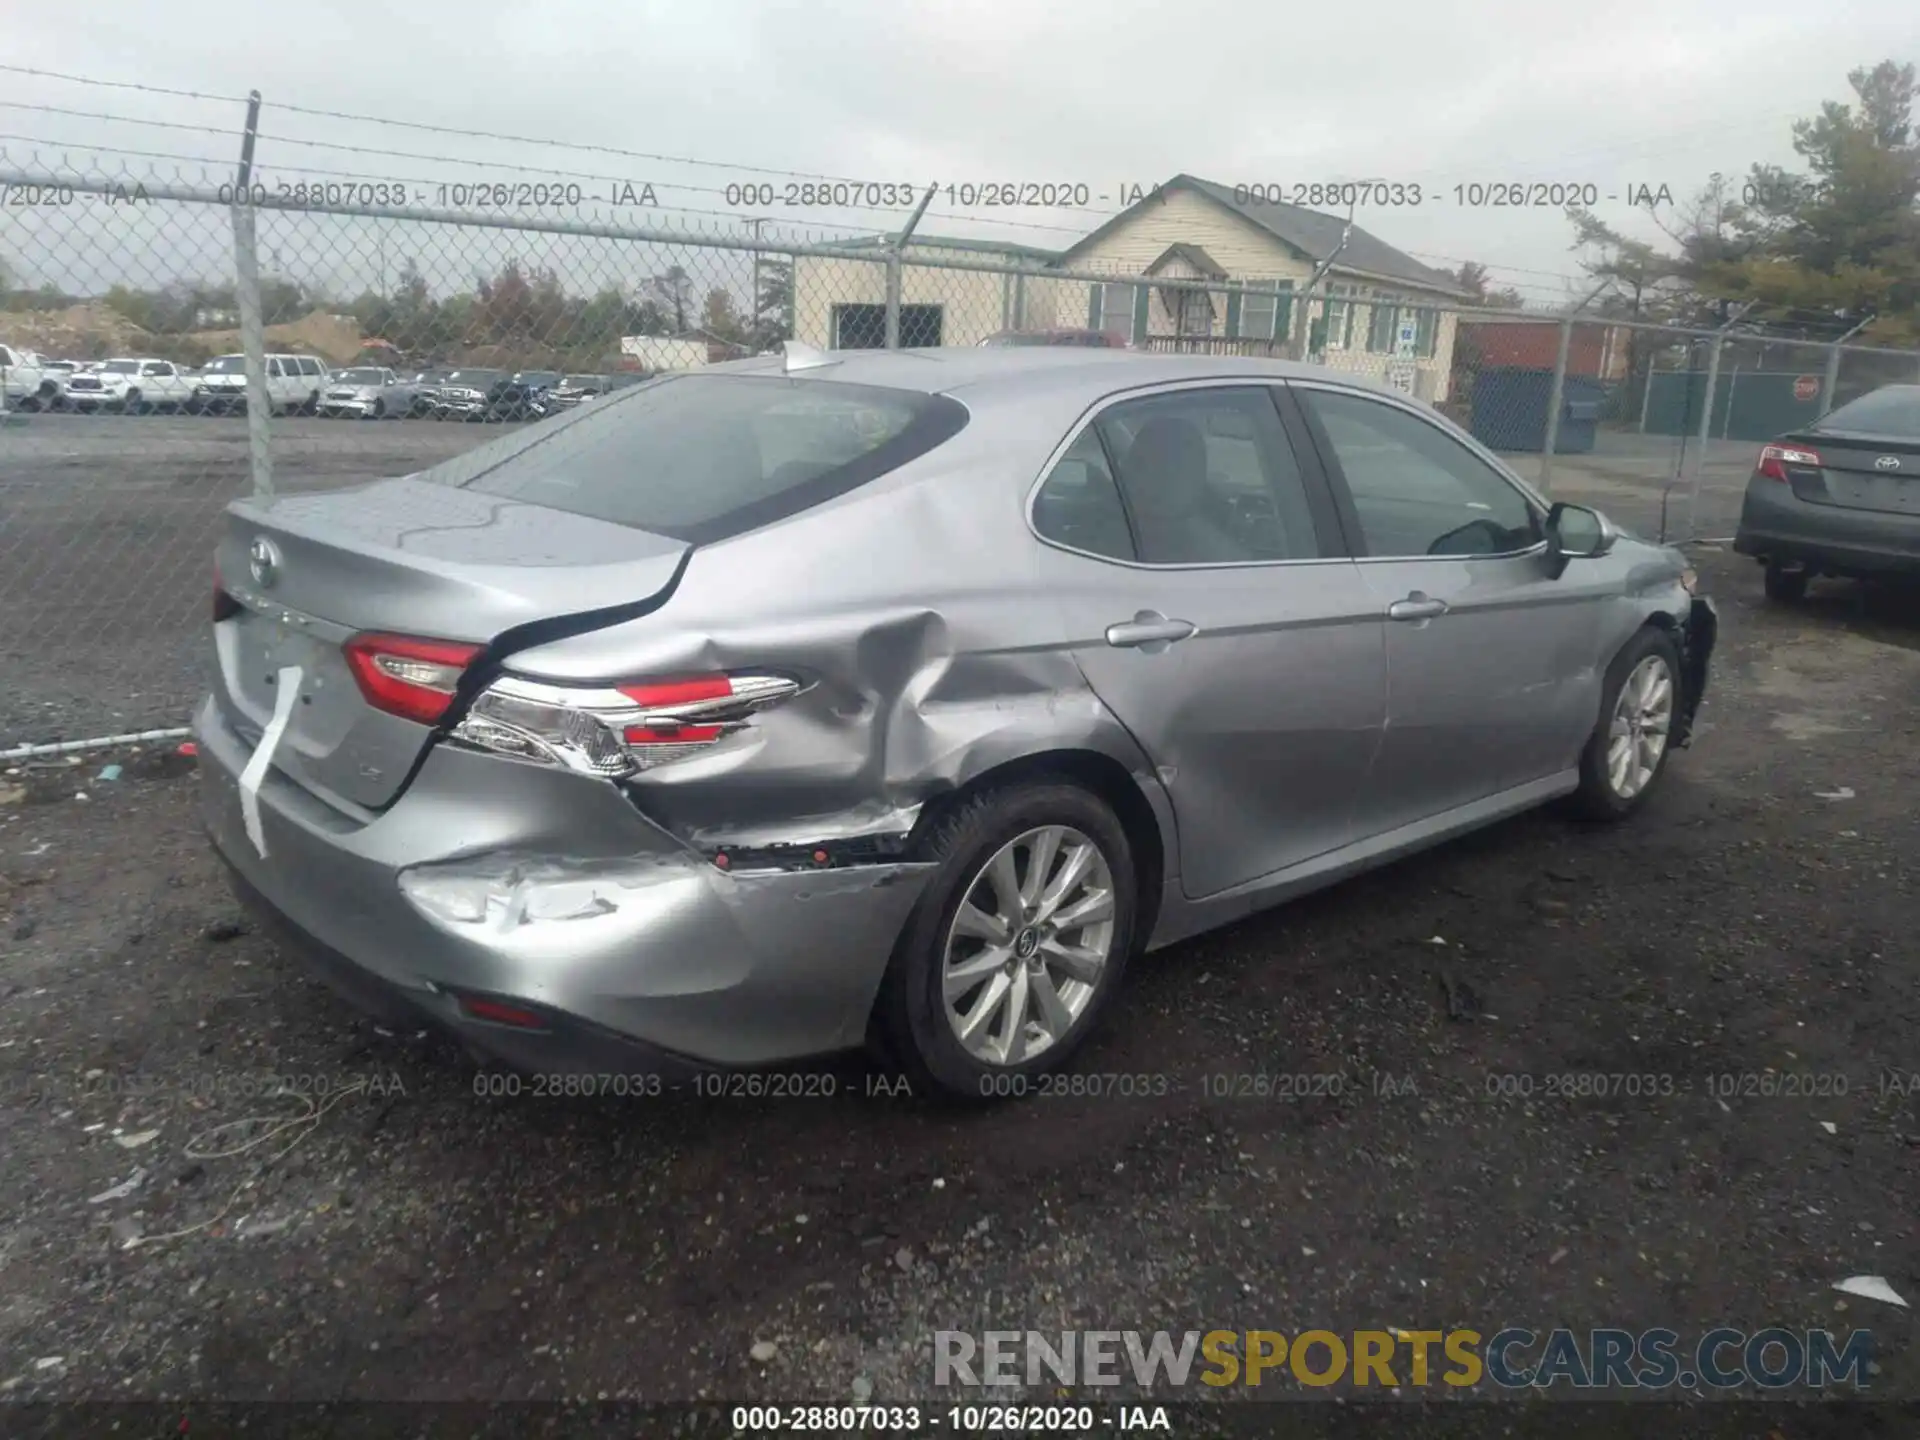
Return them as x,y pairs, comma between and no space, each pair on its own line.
87,331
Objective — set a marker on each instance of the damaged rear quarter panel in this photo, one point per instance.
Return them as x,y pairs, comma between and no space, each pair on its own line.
911,607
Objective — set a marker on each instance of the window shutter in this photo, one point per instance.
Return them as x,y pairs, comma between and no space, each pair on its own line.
1142,298
1233,314
1094,292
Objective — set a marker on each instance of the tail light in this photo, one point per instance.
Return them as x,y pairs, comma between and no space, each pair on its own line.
1774,460
621,729
408,677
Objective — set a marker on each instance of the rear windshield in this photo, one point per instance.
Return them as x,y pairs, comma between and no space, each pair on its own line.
702,457
1893,410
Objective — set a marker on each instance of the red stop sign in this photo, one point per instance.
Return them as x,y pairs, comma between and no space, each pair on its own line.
1806,387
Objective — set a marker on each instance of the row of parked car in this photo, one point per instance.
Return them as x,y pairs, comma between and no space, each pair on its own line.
296,384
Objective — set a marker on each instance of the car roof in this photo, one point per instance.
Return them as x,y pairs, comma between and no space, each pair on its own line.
975,372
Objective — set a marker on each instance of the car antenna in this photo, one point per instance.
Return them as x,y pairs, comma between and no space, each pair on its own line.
804,357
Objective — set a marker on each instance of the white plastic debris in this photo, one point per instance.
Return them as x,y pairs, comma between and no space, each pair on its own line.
763,1351
136,1139
49,1362
1829,1127
120,1192
1870,1287
1842,792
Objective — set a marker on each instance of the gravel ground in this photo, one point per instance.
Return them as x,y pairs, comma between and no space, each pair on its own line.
107,525
408,1238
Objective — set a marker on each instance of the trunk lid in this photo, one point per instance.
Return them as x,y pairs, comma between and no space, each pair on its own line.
1859,471
404,557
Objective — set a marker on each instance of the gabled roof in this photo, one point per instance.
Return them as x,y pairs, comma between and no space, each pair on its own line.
1309,233
1204,264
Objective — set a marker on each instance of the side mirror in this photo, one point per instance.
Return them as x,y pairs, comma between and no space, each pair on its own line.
1576,533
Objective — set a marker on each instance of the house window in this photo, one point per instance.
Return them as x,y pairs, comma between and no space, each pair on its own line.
1384,327
1258,312
864,327
1116,311
1427,334
1339,317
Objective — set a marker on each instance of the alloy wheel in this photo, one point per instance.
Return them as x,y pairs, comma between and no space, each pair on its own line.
1637,732
1028,945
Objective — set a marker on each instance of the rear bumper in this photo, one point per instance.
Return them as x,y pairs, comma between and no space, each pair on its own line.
496,879
1776,524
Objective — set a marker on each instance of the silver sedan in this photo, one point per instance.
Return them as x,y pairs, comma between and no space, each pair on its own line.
369,392
824,699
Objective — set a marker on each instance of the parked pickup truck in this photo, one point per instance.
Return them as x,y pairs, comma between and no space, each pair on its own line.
135,386
24,382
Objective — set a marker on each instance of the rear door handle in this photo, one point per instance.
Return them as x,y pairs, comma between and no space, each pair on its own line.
1149,631
1417,606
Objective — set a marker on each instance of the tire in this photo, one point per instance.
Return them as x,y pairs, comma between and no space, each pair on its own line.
1788,586
911,1025
1607,791
133,404
379,409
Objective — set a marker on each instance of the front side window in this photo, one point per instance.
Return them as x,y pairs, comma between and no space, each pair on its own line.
1416,489
226,365
1208,477
120,367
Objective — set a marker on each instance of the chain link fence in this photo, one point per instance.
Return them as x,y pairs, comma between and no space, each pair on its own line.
390,325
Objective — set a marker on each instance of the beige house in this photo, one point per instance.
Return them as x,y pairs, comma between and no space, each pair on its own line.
1186,229
1196,229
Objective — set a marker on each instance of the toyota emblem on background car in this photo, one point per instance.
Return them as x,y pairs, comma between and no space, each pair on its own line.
263,562
1887,462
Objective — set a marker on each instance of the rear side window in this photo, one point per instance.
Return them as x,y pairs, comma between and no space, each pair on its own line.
1893,410
701,457
1079,505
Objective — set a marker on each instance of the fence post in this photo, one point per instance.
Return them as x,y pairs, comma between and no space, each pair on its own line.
1646,396
1555,398
246,291
894,252
1706,431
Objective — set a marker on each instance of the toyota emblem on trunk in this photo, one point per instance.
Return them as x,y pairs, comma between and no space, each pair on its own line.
263,562
1887,462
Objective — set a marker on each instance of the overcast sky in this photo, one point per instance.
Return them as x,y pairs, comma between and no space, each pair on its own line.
1113,94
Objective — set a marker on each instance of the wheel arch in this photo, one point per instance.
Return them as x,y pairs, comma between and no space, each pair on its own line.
1104,776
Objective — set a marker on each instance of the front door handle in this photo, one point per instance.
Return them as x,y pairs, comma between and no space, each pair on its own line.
1417,606
1149,631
